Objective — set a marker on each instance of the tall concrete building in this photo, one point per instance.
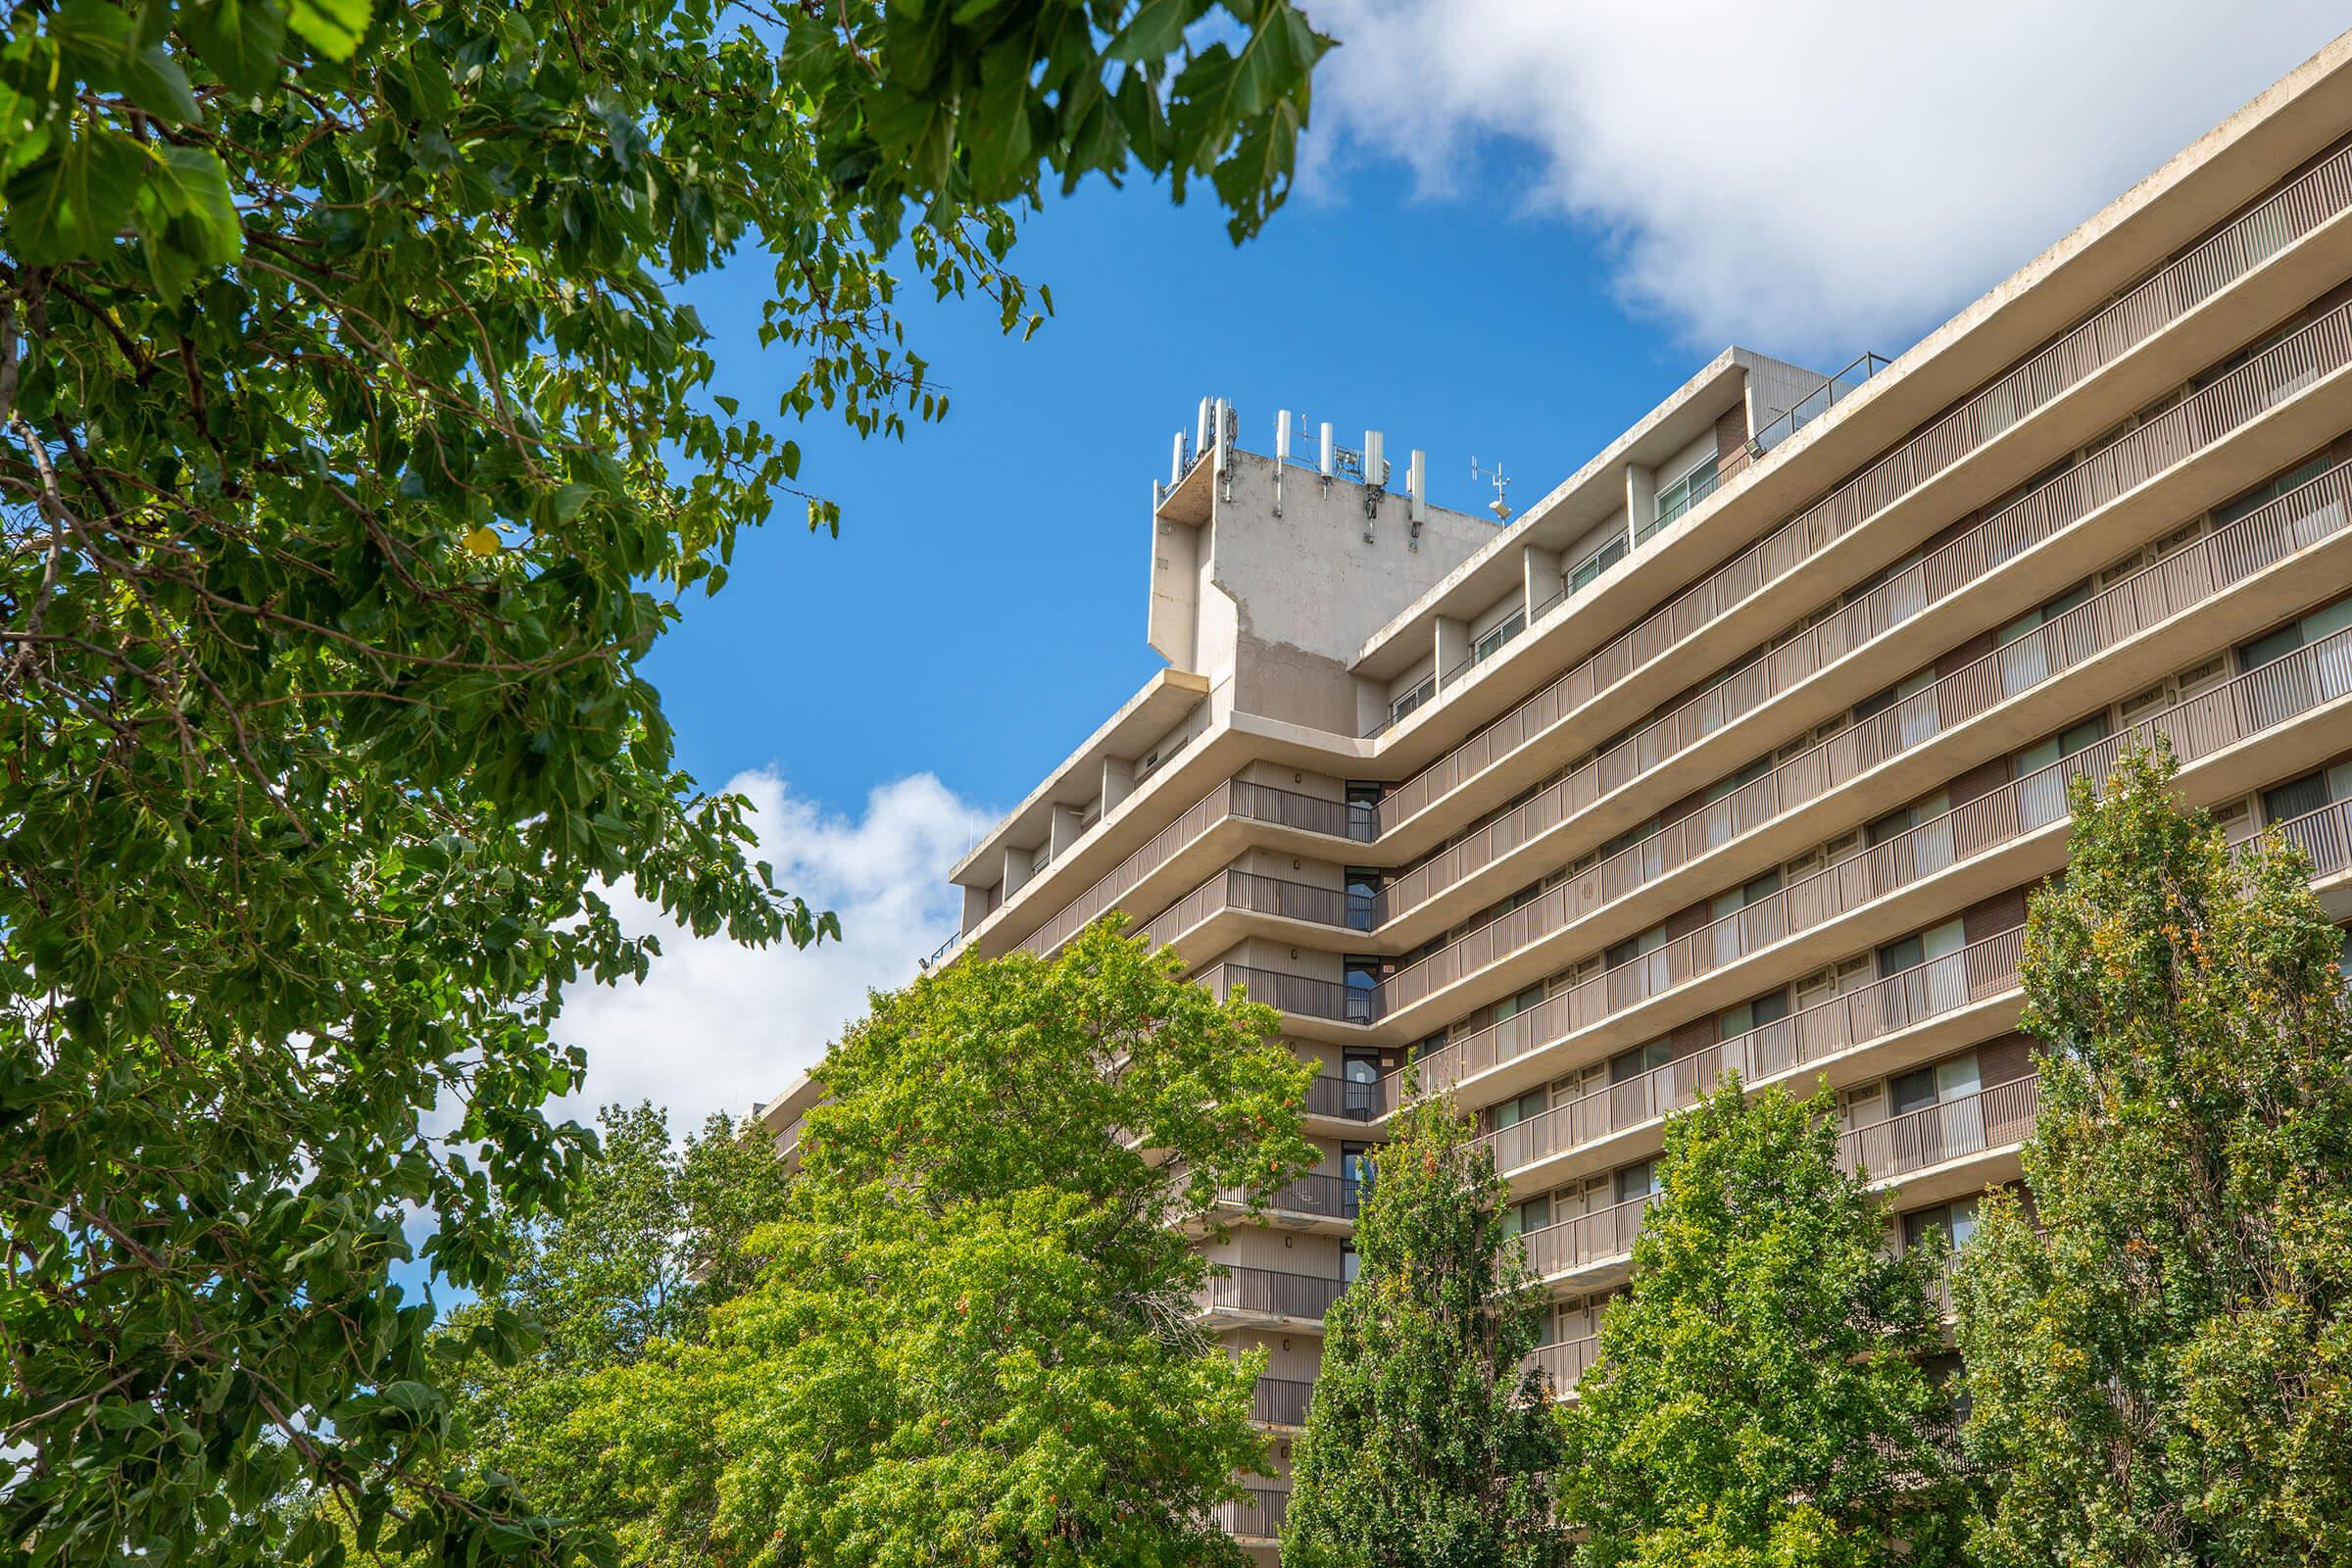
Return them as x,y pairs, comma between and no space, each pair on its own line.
1742,747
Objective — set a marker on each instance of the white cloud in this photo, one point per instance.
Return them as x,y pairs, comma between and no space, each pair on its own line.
1809,176
721,1027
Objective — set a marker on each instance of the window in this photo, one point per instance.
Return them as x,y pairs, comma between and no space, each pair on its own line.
1359,1072
1532,1215
1895,823
1638,1181
2263,495
2303,795
1363,809
1685,493
1913,950
1349,1263
1420,694
1487,646
1749,1016
1362,884
1527,1108
1628,1065
1513,1007
1580,575
1364,973
1356,1170
2302,634
1955,1221
1949,1080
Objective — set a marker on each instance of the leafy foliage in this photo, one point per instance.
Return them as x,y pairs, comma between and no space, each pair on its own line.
1427,1444
1759,1399
354,453
2160,1350
973,1344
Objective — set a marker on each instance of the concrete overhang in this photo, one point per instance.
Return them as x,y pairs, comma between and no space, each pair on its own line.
1078,778
793,1103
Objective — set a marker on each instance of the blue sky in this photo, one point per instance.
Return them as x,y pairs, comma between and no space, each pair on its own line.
1525,221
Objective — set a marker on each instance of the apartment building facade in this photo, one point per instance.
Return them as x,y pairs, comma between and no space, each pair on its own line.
1742,748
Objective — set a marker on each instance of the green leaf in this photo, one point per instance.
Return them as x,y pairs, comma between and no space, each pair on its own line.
333,27
241,40
72,204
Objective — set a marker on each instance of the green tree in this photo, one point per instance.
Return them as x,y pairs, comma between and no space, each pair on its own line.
654,1238
974,1341
2159,1348
1759,1397
1428,1443
355,449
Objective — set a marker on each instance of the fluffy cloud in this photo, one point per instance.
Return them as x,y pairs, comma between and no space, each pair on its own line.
1813,177
721,1027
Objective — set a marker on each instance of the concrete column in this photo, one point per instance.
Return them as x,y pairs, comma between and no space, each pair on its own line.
1540,579
1371,705
1453,646
1062,829
1119,781
975,906
1640,500
1019,865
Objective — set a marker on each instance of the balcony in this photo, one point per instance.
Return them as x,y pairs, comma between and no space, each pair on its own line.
1588,1241
1257,1515
1339,1098
2310,202
1936,1135
1312,1197
1813,404
1563,1362
1979,972
1248,892
2257,702
1260,1294
1281,1402
1301,996
2190,578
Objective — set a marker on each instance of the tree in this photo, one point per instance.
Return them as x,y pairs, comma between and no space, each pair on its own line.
1428,1443
974,1341
355,449
2159,1348
656,1237
1759,1397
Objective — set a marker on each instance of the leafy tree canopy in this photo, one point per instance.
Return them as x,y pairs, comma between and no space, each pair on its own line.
974,1341
2159,1352
1759,1397
355,452
1428,1443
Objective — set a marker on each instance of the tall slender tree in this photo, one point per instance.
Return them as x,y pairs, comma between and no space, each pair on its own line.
2159,1350
1428,1443
1759,1397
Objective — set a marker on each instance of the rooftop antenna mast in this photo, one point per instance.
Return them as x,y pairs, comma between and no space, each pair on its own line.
1500,505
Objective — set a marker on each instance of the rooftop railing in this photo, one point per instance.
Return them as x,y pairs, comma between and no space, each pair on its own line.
2312,199
1816,402
2258,701
2179,582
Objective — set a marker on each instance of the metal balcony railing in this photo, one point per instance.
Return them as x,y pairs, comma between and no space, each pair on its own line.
1951,1129
1281,1402
1816,402
1348,1099
1245,892
1257,1515
1303,994
2255,701
1315,1194
1587,1241
2178,583
1979,971
1563,1362
1269,1293
2315,198
1235,797
2067,501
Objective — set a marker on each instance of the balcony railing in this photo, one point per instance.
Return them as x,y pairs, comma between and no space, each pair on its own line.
1269,1293
1348,1099
2314,199
1314,1194
1816,402
1980,970
2198,421
1245,892
1303,994
1586,1240
1565,1361
2180,581
1257,1514
1235,797
2258,701
1951,1129
1281,1402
